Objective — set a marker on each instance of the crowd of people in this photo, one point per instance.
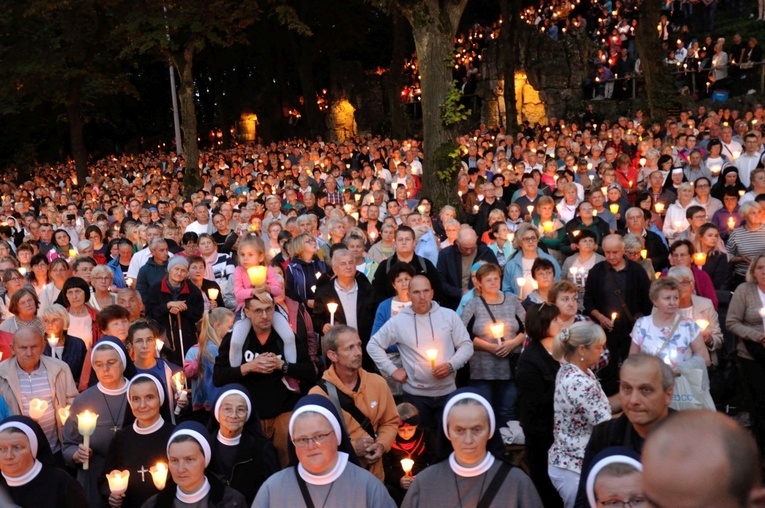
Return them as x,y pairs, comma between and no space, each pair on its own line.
308,318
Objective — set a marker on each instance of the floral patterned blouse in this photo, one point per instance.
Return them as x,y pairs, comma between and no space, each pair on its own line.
580,404
651,338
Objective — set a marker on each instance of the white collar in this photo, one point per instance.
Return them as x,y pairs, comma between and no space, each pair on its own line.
326,479
470,472
116,391
154,427
18,481
194,497
229,441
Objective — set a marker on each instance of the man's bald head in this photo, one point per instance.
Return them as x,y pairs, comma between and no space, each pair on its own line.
700,458
28,333
421,294
467,241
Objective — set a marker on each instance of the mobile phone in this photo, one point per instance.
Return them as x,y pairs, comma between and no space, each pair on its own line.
70,216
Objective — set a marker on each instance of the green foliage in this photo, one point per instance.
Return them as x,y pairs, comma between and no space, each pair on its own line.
452,110
447,161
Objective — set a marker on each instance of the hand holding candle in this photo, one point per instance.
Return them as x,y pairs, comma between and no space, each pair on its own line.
180,380
37,408
407,465
213,293
432,354
118,481
159,475
86,425
497,331
63,414
332,308
703,324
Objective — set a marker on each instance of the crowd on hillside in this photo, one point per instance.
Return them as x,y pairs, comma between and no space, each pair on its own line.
309,305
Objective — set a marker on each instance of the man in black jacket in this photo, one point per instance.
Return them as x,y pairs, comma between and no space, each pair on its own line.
352,293
645,392
616,295
454,264
480,218
657,252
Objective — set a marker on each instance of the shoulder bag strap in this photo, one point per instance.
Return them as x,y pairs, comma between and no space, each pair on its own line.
491,314
332,392
669,337
345,403
494,486
619,296
303,489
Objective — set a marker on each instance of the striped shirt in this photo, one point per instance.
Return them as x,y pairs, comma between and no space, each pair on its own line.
743,242
36,386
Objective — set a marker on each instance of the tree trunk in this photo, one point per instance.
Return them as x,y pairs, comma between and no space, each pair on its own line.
434,25
657,80
187,104
305,61
508,36
76,127
394,79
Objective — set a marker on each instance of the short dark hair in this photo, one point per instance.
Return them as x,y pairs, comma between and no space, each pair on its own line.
397,269
693,210
679,243
541,264
109,314
538,320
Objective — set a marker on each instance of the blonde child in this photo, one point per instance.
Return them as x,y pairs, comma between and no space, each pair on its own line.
252,252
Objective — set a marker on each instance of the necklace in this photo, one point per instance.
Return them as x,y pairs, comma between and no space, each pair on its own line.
119,412
480,491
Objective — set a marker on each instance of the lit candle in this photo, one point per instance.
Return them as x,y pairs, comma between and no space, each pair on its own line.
741,193
129,281
432,354
159,475
731,223
497,331
179,380
614,208
37,409
604,190
53,341
678,224
521,282
257,275
475,208
530,209
576,233
703,324
421,209
313,289
213,293
372,235
736,154
614,315
22,270
715,169
118,481
547,226
332,308
318,275
699,258
534,284
643,253
158,345
572,270
407,465
659,208
459,193
72,253
86,425
63,414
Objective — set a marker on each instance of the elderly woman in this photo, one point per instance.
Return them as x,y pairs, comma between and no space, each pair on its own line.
675,222
382,250
451,230
189,455
325,459
580,404
304,269
745,321
197,267
69,349
746,241
138,445
22,313
567,207
29,473
101,277
243,457
615,479
517,272
535,377
550,227
490,367
634,245
469,425
82,317
108,400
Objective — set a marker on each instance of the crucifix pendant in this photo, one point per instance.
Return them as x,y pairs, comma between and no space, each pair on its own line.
115,429
143,472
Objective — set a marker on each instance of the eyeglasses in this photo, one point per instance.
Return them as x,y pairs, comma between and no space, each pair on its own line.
105,277
235,411
633,502
264,312
530,239
318,439
15,279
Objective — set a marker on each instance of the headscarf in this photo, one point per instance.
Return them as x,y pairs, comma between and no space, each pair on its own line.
611,455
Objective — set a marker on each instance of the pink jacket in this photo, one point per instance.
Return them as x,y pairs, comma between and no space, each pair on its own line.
243,286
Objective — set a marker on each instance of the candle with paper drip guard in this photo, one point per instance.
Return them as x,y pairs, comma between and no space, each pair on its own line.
497,331
213,293
158,345
407,465
613,208
699,258
432,354
643,253
703,324
659,207
530,209
332,308
72,253
37,408
118,481
86,425
63,414
129,281
547,226
53,341
180,381
257,275
22,271
731,222
159,475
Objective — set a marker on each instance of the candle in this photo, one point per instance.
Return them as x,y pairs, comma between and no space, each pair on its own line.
459,193
313,289
63,414
179,380
72,253
475,208
736,154
715,169
158,345
421,209
678,224
614,208
547,226
576,233
521,282
129,281
534,284
614,315
703,324
372,235
332,308
118,481
604,190
762,312
22,270
37,409
86,425
643,253
407,465
212,293
159,475
594,213
53,341
318,275
530,209
659,208
731,223
257,275
572,270
432,354
497,331
699,258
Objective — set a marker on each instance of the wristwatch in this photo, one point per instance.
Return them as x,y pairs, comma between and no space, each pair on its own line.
285,367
